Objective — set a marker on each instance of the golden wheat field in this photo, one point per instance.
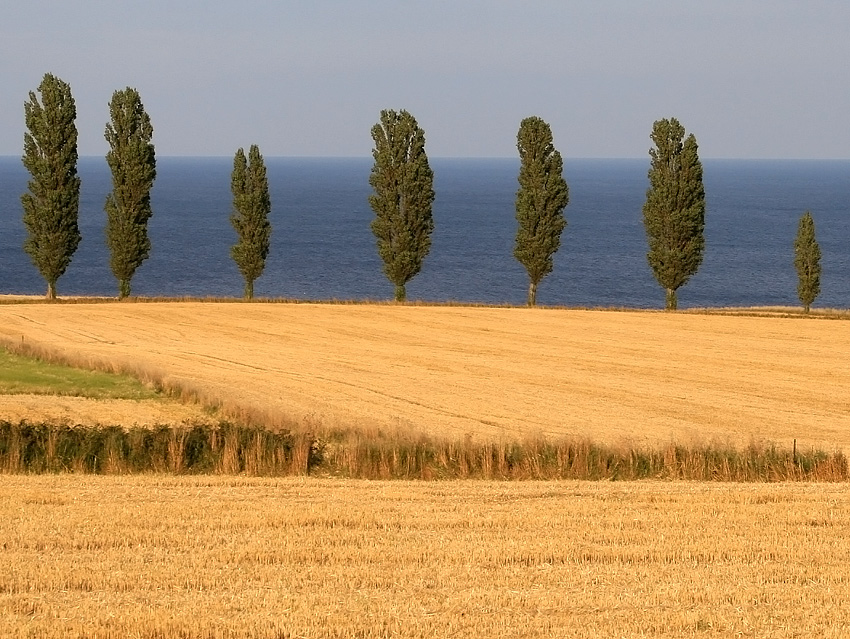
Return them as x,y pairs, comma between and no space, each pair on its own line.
94,412
641,378
203,557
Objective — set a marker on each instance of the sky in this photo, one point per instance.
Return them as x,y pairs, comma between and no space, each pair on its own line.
750,78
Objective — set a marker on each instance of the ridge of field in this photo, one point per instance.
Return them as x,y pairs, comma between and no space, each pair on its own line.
639,377
156,556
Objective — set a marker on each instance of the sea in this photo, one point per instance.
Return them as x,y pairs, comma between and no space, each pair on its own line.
323,249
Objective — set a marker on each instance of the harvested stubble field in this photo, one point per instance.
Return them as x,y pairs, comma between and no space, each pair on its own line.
202,557
638,378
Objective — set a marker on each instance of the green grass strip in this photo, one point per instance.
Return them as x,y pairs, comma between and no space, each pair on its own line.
24,375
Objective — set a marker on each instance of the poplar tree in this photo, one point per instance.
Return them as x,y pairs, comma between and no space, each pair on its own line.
132,160
403,186
674,212
540,202
807,261
251,208
51,206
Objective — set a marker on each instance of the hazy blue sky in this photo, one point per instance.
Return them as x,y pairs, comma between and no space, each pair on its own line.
751,78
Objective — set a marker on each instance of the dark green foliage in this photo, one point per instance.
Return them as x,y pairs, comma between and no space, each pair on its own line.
403,186
807,261
251,206
540,202
52,204
225,448
132,161
674,212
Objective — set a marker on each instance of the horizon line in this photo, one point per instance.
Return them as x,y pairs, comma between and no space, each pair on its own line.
471,157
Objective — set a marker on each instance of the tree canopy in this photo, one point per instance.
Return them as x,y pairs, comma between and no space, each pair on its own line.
807,255
674,212
403,193
51,206
251,209
132,160
540,202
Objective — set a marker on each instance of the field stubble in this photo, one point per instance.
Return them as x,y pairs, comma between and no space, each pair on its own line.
495,374
202,557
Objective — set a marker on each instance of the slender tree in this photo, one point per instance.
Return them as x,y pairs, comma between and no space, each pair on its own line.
132,160
52,204
251,208
674,212
403,194
807,261
540,202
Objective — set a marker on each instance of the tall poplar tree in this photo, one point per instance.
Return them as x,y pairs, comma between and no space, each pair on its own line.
251,208
540,202
403,186
132,160
51,206
674,212
807,261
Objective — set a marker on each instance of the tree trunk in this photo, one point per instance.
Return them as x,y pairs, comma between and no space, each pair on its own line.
51,290
672,299
249,290
123,289
532,293
400,293
806,308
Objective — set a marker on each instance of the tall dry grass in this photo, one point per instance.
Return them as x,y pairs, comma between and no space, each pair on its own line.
355,454
233,449
201,557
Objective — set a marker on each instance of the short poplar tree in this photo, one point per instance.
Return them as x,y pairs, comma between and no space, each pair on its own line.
132,160
403,185
807,256
674,212
540,202
51,207
251,209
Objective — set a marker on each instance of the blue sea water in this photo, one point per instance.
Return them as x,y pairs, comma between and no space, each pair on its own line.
322,247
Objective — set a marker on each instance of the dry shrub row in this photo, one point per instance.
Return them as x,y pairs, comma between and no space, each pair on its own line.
232,449
357,456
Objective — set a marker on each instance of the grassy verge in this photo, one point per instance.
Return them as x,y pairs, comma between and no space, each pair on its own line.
20,374
231,449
